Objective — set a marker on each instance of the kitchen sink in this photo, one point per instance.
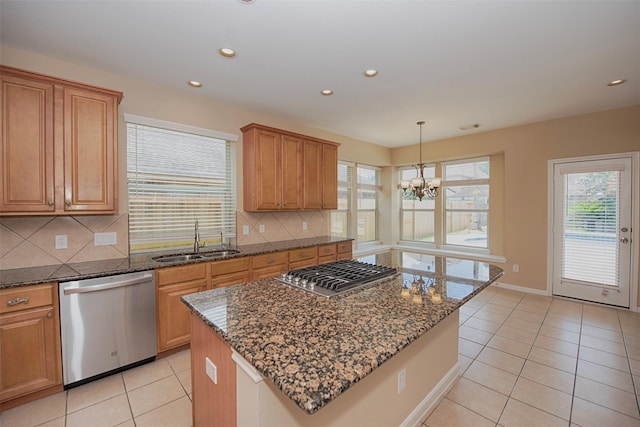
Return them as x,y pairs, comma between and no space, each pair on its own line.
221,253
175,258
218,253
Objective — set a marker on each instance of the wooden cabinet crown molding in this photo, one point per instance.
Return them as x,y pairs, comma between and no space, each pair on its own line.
59,146
285,170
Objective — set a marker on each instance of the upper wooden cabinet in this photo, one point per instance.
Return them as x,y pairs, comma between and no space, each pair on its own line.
287,171
59,146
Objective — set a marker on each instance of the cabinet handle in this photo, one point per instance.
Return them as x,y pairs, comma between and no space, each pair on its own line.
271,261
17,301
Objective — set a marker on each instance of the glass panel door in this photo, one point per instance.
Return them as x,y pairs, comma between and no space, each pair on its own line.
592,230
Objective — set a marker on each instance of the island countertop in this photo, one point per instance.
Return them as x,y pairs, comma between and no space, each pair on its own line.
312,348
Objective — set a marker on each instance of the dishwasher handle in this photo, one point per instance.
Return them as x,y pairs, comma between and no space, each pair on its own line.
145,278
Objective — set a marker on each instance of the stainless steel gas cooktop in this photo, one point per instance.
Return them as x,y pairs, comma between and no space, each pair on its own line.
329,280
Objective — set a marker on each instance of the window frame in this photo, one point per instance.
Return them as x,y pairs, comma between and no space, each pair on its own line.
440,210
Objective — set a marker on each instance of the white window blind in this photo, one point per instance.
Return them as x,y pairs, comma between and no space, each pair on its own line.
589,227
175,178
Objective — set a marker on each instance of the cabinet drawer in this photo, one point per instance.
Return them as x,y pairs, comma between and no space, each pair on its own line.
327,250
165,276
25,297
230,266
326,259
302,264
267,260
302,254
231,279
344,247
266,272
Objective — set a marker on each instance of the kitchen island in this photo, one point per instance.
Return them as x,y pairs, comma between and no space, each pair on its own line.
279,354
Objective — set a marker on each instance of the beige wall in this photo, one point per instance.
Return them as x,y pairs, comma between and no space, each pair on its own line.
525,149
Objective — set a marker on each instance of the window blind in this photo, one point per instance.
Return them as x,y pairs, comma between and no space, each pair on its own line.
175,178
590,253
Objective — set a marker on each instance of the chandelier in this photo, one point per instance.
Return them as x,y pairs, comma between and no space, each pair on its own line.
419,187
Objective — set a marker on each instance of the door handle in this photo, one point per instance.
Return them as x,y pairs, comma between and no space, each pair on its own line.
624,240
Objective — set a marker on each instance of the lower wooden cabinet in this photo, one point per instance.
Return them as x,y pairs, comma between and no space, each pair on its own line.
30,354
230,272
172,316
269,265
344,251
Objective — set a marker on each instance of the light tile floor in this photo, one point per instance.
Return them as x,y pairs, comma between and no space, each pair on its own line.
526,360
530,360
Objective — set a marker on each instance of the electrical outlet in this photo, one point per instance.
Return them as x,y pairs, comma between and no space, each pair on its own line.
516,268
211,370
245,230
402,380
61,241
304,225
261,228
105,239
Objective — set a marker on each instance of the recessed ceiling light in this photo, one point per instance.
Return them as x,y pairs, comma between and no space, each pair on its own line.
226,52
616,82
194,83
371,73
469,126
327,92
246,1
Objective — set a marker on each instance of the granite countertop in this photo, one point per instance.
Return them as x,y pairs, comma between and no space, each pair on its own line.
312,348
140,262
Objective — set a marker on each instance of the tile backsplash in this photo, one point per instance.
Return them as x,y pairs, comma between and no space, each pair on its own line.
29,241
277,226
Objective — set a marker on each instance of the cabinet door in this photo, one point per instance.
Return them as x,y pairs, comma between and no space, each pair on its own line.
312,175
330,178
291,173
26,128
173,316
29,352
90,151
267,174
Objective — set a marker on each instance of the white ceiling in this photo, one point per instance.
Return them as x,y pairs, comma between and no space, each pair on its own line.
451,63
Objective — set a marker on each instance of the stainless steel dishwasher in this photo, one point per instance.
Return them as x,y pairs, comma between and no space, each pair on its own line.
107,324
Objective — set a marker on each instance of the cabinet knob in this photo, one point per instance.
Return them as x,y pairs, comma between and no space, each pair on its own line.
49,315
204,285
67,203
50,203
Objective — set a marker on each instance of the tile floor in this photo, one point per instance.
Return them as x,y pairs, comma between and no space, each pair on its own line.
526,360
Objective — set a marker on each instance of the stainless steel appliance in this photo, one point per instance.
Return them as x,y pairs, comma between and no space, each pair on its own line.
329,280
107,324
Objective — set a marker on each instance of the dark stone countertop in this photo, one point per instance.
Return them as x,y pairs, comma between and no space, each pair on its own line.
312,348
139,262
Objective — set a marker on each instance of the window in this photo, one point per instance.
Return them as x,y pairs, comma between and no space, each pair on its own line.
417,216
175,176
357,213
368,189
463,208
341,217
466,202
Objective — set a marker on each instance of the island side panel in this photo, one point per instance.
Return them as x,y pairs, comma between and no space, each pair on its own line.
213,404
430,363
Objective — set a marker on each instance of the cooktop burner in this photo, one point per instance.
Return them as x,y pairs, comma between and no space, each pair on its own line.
330,279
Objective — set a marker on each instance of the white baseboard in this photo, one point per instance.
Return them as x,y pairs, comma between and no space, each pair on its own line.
432,399
521,289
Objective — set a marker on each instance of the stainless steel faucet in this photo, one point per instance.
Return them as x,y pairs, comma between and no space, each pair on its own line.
196,240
